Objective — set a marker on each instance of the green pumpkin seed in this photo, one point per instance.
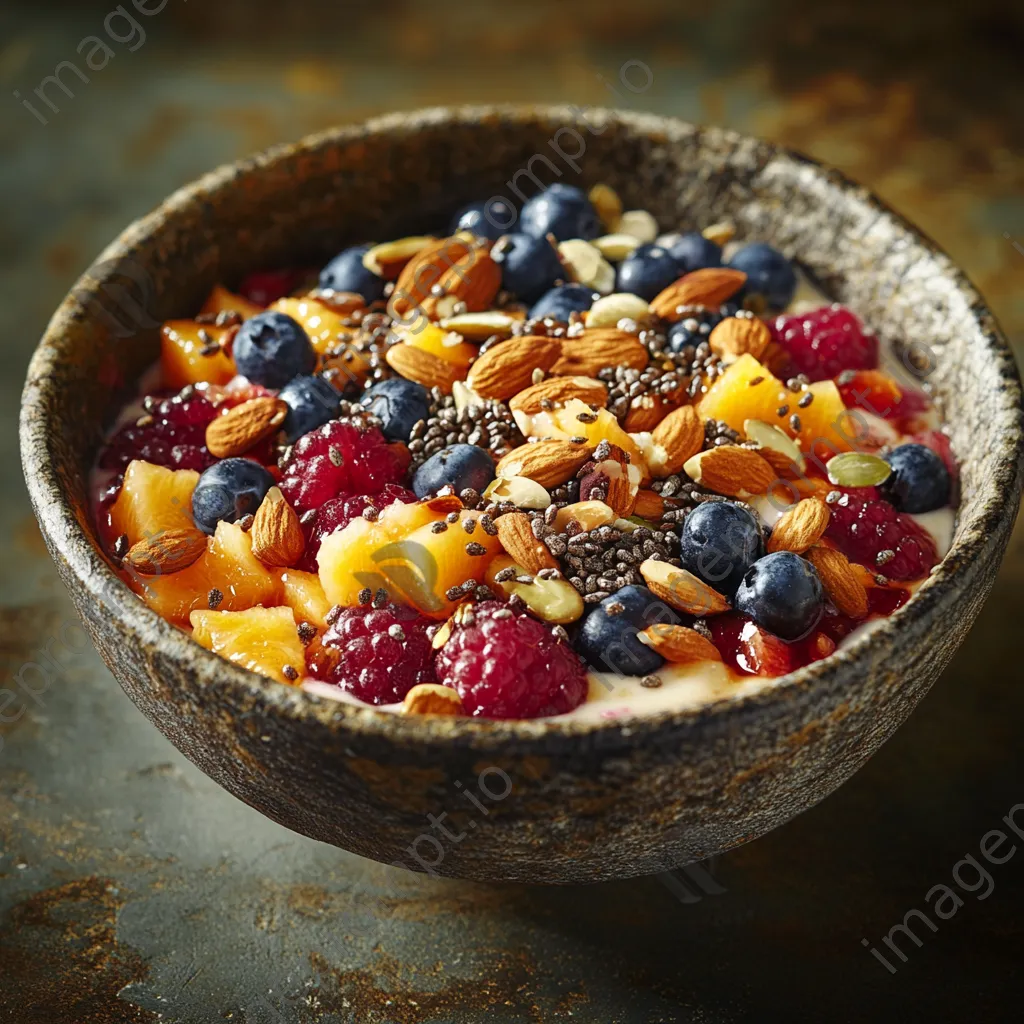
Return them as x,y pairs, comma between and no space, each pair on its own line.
858,469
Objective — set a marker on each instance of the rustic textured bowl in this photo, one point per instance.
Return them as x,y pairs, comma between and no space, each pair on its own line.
587,801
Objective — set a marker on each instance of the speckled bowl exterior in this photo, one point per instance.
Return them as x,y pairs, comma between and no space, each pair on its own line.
566,801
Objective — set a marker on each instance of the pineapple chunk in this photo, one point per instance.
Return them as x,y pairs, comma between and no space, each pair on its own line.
153,499
402,554
304,594
228,565
263,640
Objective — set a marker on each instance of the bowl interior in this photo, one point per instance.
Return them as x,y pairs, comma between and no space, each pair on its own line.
405,174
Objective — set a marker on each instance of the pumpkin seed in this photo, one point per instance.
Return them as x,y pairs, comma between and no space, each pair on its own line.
858,469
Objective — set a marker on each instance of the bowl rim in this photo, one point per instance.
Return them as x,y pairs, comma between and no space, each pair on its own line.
998,496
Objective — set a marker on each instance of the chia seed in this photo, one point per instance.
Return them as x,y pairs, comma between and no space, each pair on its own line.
214,598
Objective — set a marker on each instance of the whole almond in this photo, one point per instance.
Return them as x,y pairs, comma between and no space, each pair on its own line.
681,589
423,271
432,699
649,505
738,335
549,463
777,447
245,425
676,439
423,367
165,552
473,281
388,258
710,287
277,537
516,536
800,527
679,644
842,582
598,348
507,368
553,392
731,470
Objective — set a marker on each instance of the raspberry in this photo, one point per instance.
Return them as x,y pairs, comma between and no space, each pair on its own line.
863,529
338,512
172,434
825,342
376,654
340,457
506,665
266,286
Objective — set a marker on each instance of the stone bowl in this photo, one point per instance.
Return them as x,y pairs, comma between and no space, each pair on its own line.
541,801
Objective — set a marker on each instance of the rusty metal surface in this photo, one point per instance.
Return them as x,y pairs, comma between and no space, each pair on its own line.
133,888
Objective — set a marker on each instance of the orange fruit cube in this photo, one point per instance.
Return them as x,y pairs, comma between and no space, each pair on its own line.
152,499
220,300
263,640
304,594
182,357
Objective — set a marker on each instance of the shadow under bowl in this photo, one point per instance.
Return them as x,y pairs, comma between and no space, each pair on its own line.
543,801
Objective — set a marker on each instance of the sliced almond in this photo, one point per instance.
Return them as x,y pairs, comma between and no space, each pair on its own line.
432,699
776,447
586,265
842,582
738,335
731,470
710,287
423,367
800,527
675,440
165,552
638,223
610,310
596,349
681,589
554,392
277,537
520,490
507,368
423,271
588,515
481,326
244,426
679,644
387,259
517,539
550,462
472,282
616,247
608,205
649,505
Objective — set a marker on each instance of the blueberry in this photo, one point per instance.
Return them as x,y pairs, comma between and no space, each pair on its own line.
564,211
691,331
608,640
458,465
693,251
768,272
228,490
919,482
647,270
558,303
782,593
311,402
346,273
529,266
490,219
400,404
719,543
270,348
